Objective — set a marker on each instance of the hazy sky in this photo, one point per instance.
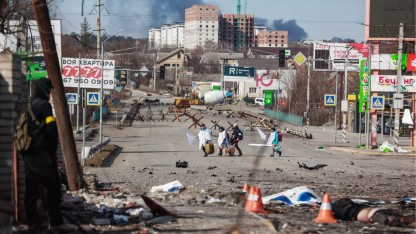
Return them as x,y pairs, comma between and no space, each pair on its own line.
304,19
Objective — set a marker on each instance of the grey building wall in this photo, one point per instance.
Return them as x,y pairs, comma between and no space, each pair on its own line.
13,91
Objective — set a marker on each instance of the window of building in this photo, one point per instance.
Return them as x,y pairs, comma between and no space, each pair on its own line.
179,55
270,45
282,41
200,26
252,90
281,45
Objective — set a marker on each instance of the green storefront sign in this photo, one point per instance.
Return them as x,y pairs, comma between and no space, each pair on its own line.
36,68
363,102
268,97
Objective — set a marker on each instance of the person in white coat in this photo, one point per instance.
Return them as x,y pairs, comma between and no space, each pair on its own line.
274,142
223,139
204,136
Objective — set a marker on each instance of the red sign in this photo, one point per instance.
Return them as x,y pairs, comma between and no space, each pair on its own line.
264,80
411,62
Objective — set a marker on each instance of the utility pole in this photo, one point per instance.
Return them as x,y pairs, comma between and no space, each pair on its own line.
344,104
307,92
78,90
98,28
336,105
397,95
154,77
66,136
176,80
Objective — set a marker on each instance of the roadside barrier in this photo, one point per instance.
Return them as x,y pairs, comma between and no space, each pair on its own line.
93,150
299,133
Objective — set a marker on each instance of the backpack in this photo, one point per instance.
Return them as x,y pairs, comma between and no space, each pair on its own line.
23,136
280,136
240,134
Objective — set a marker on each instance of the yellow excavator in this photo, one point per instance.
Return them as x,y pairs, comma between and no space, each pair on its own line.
185,102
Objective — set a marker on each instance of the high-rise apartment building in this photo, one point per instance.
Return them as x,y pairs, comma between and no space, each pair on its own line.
271,39
201,25
236,31
169,36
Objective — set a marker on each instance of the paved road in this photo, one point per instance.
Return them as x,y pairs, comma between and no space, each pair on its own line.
150,150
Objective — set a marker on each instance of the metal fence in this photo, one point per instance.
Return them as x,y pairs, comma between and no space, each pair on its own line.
285,117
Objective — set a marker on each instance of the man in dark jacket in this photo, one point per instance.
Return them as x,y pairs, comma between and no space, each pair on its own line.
235,138
40,159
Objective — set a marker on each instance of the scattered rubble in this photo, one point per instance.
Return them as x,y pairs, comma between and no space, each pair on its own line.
316,167
181,164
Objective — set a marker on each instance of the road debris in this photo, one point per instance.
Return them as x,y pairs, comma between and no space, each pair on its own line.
169,187
316,167
181,164
297,196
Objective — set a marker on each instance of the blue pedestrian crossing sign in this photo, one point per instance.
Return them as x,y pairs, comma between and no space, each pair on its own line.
93,98
330,100
377,103
72,98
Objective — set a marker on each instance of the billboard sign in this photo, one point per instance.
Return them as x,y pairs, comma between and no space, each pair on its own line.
33,35
333,56
364,86
388,83
265,80
232,73
90,73
383,18
36,68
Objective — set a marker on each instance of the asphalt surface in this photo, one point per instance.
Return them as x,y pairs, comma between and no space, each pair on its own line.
149,151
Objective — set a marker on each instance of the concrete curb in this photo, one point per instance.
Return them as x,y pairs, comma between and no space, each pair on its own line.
370,152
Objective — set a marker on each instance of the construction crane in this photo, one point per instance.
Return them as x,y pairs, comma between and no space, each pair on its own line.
240,35
237,26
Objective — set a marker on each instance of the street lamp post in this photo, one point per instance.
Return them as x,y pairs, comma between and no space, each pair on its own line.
102,83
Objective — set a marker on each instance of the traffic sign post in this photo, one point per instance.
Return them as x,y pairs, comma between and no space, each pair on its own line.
232,73
93,99
377,103
268,97
330,100
72,98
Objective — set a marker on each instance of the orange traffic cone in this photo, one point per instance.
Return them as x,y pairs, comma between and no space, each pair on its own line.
325,212
254,202
246,187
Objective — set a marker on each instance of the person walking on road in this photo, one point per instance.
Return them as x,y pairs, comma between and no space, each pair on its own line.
236,136
223,140
275,142
41,161
204,136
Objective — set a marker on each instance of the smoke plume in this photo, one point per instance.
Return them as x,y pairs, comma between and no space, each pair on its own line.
344,40
296,33
137,16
